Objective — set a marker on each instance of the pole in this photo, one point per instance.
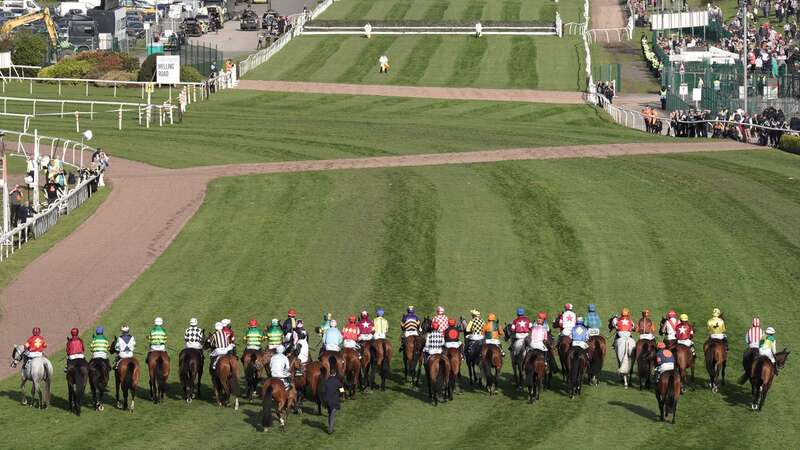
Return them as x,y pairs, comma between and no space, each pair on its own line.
36,170
744,58
6,225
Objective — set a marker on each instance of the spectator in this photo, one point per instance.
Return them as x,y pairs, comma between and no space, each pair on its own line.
17,204
331,396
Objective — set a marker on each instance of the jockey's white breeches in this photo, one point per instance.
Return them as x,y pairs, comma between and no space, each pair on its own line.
452,344
646,336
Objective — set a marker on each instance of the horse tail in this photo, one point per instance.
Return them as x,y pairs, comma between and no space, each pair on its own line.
48,379
670,397
529,371
233,380
159,372
385,362
333,364
440,377
128,381
266,407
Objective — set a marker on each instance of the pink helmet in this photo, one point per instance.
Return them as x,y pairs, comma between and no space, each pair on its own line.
756,322
439,310
672,313
568,307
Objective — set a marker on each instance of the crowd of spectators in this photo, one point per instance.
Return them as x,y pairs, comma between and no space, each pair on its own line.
764,129
607,89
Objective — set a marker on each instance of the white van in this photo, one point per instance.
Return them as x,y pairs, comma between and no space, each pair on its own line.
29,6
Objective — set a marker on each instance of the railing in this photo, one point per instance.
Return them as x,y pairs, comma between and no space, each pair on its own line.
552,30
590,87
192,87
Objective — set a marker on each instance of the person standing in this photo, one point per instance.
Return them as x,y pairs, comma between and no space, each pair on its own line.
478,30
332,390
384,64
662,95
368,30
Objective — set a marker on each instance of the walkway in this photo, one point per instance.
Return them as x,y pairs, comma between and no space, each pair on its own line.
83,274
446,93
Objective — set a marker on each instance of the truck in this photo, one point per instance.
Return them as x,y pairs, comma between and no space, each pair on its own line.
28,6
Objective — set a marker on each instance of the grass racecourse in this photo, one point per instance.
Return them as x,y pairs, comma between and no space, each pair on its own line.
442,10
684,231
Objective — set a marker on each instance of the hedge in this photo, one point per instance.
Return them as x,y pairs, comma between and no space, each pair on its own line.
790,143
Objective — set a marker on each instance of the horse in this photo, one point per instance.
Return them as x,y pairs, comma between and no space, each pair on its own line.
668,391
596,353
273,391
225,378
352,372
331,360
684,360
491,360
412,350
313,379
577,362
454,361
381,361
472,353
518,349
645,359
750,355
564,345
251,374
624,347
190,363
716,360
99,369
535,373
77,376
367,362
39,371
297,369
158,367
437,369
127,375
761,376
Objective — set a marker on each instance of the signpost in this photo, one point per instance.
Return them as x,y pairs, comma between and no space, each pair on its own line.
168,69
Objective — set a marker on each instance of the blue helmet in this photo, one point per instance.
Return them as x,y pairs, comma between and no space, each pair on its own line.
99,330
592,308
520,311
379,312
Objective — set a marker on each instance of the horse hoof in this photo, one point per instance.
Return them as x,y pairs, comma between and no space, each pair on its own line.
119,405
236,404
24,402
189,400
715,389
100,408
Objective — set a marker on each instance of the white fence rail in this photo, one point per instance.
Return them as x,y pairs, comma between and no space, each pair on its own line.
192,88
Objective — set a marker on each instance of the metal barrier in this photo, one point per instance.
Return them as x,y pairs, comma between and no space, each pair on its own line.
143,85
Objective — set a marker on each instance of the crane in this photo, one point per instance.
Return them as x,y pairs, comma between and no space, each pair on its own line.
43,15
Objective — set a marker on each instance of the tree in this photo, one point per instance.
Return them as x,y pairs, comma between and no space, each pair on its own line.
28,49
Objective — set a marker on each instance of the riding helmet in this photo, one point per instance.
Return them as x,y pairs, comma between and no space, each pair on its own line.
74,332
193,322
352,318
568,307
592,308
36,331
253,323
520,311
716,312
770,330
379,312
99,330
218,326
684,318
292,312
158,321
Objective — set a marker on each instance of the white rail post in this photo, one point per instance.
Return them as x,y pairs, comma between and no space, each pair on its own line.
77,122
87,88
30,90
91,111
59,88
119,118
36,171
115,90
62,109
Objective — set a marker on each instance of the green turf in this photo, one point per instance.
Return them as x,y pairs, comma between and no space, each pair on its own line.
684,231
508,10
43,90
490,62
244,126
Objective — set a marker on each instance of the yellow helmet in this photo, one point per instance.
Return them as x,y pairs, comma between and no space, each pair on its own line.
492,316
684,318
716,312
626,312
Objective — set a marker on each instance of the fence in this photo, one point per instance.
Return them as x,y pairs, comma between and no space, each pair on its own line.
193,87
201,56
72,153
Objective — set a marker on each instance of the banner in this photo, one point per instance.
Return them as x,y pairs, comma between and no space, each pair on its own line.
168,69
669,21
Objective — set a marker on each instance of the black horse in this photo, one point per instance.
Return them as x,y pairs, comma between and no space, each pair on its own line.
577,363
77,376
99,369
191,362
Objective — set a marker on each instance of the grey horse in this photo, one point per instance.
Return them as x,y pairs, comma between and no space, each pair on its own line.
37,370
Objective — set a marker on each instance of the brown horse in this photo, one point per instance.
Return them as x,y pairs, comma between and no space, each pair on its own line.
684,359
564,345
190,364
313,380
644,358
331,360
577,363
367,362
273,391
535,373
381,358
491,366
454,359
668,391
225,379
596,353
158,367
716,360
77,378
127,375
298,371
761,376
412,350
437,369
352,372
251,375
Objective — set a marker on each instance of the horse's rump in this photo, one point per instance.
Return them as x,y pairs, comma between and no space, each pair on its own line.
624,347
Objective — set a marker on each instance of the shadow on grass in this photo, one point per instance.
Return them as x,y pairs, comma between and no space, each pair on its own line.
638,410
55,401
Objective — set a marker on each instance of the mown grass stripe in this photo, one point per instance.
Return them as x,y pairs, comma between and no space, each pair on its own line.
436,10
305,69
522,64
474,10
418,61
467,67
398,10
511,9
368,60
359,10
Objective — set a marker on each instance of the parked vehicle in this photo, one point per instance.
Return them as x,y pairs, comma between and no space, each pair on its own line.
248,20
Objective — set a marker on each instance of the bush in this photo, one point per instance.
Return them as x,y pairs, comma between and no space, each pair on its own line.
67,68
105,61
189,74
148,70
28,49
790,143
116,75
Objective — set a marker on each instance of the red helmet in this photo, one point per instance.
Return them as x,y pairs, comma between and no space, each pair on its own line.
435,325
73,332
292,312
568,307
672,313
36,331
253,323
661,346
542,315
351,319
451,322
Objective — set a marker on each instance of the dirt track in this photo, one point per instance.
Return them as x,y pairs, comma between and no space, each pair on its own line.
79,277
446,93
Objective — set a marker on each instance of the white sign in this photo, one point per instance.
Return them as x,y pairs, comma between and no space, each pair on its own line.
770,92
683,90
669,21
5,60
697,94
168,69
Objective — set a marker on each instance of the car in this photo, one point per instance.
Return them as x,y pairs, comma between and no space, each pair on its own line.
248,21
192,27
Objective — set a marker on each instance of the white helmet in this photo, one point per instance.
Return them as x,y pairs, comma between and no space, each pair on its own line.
280,349
225,322
192,322
159,321
218,326
770,330
333,323
125,329
439,310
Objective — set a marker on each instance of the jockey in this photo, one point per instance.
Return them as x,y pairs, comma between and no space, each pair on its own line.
684,333
350,333
193,336
670,326
226,328
566,321
124,346
288,327
157,336
539,333
279,367
624,324
451,337
580,334
754,334
665,360
381,324
491,332
99,345
35,344
219,344
325,324
593,322
301,346
332,339
521,327
274,335
409,324
74,348
366,329
716,327
474,328
440,317
645,326
253,336
767,347
433,342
